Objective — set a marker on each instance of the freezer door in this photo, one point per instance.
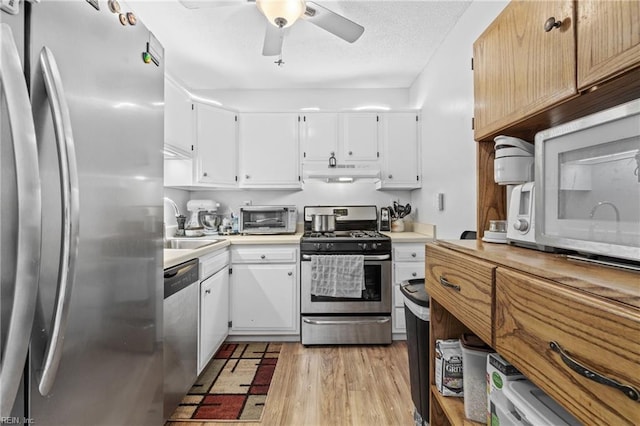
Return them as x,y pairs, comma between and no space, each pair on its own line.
19,217
96,352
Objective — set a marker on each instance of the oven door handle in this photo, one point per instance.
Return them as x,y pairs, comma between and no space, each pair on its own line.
366,257
377,320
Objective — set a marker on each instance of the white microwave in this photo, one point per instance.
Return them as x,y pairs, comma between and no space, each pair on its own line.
587,182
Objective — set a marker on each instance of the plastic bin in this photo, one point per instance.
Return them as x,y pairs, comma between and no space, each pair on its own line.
474,377
533,407
416,313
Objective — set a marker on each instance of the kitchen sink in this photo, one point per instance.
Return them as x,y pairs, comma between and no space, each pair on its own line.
188,244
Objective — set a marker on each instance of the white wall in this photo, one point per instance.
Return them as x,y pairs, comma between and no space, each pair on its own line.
444,91
317,193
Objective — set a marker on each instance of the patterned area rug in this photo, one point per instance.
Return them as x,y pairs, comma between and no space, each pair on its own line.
233,386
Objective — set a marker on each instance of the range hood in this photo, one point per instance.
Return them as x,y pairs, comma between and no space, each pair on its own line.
341,173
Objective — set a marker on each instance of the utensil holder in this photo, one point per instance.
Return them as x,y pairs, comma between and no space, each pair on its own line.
397,225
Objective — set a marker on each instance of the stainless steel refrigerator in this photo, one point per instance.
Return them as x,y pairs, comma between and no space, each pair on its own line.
81,215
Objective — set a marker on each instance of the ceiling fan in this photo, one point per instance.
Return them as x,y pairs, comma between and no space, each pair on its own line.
281,14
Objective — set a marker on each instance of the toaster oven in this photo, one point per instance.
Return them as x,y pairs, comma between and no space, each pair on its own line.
268,220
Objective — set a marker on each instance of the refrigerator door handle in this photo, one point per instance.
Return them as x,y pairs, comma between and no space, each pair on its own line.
70,216
29,204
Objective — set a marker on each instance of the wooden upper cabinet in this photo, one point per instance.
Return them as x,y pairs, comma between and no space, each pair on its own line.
608,35
519,68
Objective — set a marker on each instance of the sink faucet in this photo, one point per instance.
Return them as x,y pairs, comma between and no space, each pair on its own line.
593,212
605,203
173,204
180,219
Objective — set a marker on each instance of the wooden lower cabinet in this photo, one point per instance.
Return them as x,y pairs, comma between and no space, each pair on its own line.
539,305
532,315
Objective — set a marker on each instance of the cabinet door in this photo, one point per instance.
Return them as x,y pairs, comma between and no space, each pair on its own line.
400,151
264,298
214,315
216,146
608,35
269,150
519,69
319,136
178,127
359,137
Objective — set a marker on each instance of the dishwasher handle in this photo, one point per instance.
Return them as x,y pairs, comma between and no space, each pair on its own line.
180,277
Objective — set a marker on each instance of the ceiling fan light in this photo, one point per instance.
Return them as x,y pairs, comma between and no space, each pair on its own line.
281,13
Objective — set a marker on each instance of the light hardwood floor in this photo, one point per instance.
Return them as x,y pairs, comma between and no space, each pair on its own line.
338,385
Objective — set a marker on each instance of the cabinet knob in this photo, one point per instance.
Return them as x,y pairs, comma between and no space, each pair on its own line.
350,152
247,176
551,23
207,291
414,274
263,257
413,254
205,174
289,273
390,176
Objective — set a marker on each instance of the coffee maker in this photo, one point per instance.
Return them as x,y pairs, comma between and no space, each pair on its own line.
203,218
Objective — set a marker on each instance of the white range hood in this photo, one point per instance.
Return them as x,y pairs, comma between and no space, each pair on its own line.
341,173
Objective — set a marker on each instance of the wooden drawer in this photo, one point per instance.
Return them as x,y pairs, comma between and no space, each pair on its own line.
408,253
463,286
602,336
408,271
264,254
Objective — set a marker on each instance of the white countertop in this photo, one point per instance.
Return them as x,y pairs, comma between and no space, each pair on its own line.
174,257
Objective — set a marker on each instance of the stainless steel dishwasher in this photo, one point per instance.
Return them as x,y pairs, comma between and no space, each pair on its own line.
181,297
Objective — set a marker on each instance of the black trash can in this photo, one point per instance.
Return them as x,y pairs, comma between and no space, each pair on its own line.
416,313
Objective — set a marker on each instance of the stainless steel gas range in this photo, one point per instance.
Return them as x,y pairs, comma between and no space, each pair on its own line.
346,279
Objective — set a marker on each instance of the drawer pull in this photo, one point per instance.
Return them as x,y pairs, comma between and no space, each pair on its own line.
413,254
414,274
263,256
446,283
630,391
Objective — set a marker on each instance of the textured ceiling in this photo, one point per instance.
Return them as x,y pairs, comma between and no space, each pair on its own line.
220,47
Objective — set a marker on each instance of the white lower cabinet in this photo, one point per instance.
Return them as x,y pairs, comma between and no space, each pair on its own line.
408,263
213,326
265,296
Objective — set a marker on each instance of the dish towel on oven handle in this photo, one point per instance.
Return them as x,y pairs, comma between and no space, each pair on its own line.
337,275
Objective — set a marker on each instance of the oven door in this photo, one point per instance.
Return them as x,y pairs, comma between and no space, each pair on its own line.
376,298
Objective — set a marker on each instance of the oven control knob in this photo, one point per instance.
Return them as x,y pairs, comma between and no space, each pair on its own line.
329,246
316,246
374,246
521,225
363,246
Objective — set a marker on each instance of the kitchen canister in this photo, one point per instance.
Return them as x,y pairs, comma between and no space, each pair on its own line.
474,362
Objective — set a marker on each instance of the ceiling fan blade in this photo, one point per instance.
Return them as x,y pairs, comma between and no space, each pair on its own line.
273,39
201,4
332,22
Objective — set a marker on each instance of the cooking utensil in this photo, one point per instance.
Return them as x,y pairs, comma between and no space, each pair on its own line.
323,222
392,212
407,209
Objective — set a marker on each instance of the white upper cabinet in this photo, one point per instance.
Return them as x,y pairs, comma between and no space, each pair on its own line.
178,130
216,146
401,157
319,136
359,136
269,151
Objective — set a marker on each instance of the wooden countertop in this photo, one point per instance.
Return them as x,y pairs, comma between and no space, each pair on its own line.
610,283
